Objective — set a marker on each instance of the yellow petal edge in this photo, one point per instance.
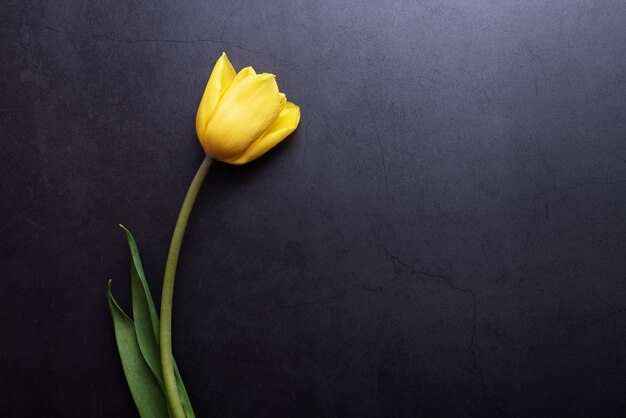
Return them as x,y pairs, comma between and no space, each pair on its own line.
221,77
286,123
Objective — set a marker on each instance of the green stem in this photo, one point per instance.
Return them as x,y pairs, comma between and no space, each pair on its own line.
171,388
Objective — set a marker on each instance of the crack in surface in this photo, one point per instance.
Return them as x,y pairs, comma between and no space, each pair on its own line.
473,294
295,305
227,20
102,36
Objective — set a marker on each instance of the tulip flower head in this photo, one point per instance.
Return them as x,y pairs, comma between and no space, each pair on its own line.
243,115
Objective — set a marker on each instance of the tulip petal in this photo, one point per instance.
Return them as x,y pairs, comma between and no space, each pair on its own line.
244,73
246,110
285,124
221,77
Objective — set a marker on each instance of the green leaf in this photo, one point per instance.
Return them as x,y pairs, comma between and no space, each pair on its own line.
144,312
147,323
184,397
147,394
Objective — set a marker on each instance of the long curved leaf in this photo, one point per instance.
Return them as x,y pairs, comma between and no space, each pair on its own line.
147,323
144,312
147,394
184,397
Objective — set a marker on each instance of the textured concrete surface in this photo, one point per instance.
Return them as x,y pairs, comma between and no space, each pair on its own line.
444,236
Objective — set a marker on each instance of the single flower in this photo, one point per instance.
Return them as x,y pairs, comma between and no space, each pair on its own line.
240,117
243,115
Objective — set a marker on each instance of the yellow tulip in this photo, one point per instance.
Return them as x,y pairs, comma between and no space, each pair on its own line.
243,115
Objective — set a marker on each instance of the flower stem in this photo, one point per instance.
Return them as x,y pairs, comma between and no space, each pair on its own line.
171,388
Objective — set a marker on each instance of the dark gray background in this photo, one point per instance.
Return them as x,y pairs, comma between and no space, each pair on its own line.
443,236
